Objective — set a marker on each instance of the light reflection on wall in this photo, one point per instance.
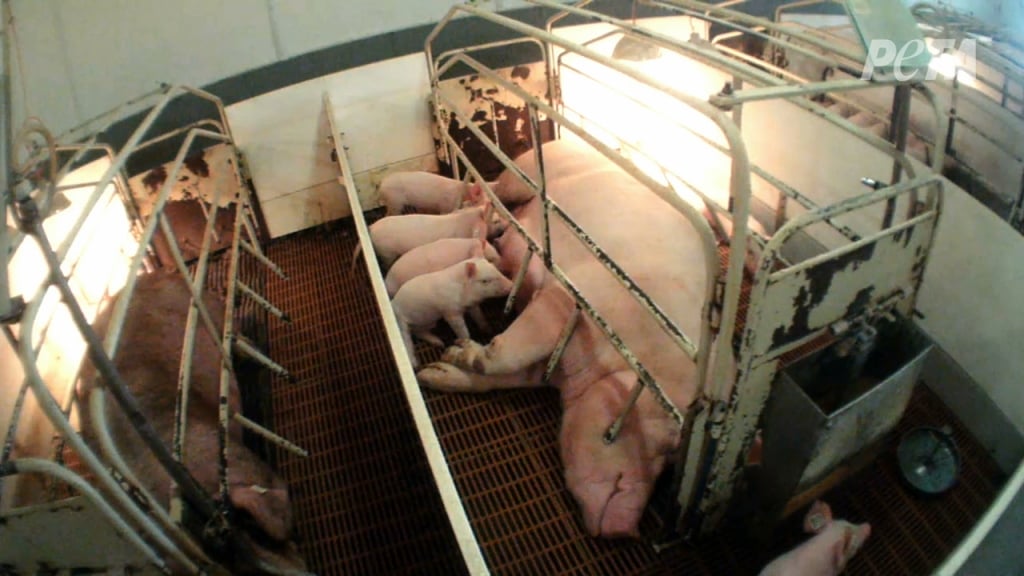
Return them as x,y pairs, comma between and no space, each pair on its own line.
96,265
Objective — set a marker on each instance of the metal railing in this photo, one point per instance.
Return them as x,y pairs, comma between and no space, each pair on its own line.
765,83
165,537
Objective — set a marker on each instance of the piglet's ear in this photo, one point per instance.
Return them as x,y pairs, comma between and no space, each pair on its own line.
470,269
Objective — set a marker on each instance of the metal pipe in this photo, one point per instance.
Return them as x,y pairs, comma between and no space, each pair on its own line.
245,348
159,218
274,438
113,381
258,254
517,284
563,341
643,375
545,213
898,128
188,344
799,267
97,409
45,467
7,305
229,341
955,561
462,529
790,90
263,302
711,258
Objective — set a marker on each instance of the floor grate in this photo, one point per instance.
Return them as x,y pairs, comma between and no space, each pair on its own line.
366,502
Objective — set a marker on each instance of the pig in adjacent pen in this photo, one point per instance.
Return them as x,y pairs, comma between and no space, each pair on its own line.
446,294
148,361
427,192
662,252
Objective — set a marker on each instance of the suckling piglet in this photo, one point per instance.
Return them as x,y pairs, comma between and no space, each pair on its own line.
446,294
436,256
393,236
427,192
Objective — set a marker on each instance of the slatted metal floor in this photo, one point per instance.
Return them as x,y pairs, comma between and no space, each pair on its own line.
365,499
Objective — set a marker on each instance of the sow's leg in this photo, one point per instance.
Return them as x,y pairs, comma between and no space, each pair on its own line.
514,359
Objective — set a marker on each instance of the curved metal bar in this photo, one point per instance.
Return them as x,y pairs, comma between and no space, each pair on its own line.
739,184
96,407
666,324
54,413
40,466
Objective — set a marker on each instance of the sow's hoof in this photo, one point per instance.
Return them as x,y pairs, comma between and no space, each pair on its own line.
466,354
444,378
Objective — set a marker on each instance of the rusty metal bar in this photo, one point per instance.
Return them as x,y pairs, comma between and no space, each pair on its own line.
227,369
274,438
645,378
245,348
258,254
517,283
563,341
188,346
542,192
263,302
666,323
116,385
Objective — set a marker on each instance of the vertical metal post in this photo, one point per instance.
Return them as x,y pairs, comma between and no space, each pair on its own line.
6,161
898,128
538,156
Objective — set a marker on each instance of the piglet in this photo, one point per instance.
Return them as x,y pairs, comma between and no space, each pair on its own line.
393,236
148,360
436,256
426,192
827,553
447,294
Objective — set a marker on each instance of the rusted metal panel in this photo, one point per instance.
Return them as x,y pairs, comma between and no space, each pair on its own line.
191,198
822,413
798,304
500,114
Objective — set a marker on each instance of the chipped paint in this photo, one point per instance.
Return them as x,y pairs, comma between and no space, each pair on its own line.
191,196
496,111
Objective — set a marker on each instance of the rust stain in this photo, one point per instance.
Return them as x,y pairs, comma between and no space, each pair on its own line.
198,165
521,72
155,178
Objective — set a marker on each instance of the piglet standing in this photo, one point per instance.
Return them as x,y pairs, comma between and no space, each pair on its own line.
436,256
393,236
446,294
427,192
825,554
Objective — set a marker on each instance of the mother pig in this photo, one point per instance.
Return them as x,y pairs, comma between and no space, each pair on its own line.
661,250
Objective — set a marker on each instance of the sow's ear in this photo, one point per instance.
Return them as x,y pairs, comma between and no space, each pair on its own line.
470,269
268,507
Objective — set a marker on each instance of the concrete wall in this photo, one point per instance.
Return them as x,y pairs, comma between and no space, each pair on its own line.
83,58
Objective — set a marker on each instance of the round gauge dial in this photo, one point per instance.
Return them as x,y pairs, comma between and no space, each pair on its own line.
929,459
